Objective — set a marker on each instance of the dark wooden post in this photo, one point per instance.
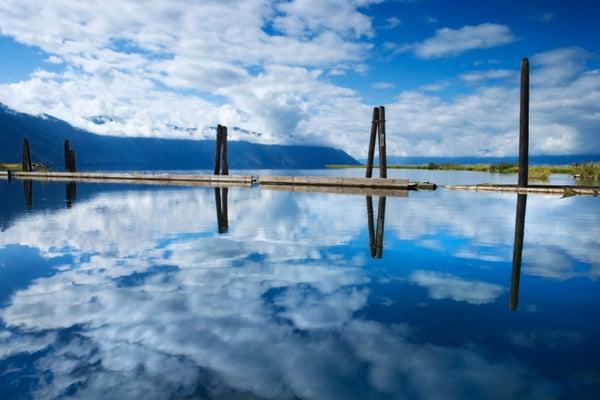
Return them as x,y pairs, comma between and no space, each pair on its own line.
380,225
71,157
26,164
67,148
382,155
225,216
218,151
371,225
524,124
517,251
9,172
372,137
225,163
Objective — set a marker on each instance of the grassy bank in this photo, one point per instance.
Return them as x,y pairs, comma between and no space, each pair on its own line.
587,171
10,166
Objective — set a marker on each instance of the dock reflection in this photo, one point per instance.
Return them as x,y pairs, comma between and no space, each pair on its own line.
376,234
221,202
517,251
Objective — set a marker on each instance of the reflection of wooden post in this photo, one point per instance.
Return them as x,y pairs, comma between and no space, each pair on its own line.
380,224
218,151
524,124
382,155
26,164
372,137
71,193
371,225
9,172
517,251
28,188
221,206
225,163
376,238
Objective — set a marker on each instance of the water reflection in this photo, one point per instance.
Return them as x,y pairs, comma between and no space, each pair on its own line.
28,190
517,251
376,237
221,203
133,293
71,190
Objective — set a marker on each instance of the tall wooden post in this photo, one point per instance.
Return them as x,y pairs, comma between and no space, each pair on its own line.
225,162
517,251
67,148
26,164
524,124
71,157
218,151
382,155
372,137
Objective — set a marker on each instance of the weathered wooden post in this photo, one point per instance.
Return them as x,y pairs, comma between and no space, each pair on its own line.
225,216
517,251
524,124
218,151
371,225
67,148
382,155
71,157
372,138
26,164
224,162
221,206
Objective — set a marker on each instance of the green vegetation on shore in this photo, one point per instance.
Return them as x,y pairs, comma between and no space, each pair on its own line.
10,166
587,171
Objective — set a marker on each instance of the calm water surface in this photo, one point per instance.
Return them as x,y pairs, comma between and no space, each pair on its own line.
127,292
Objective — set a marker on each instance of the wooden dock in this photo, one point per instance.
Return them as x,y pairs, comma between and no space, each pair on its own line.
561,190
367,186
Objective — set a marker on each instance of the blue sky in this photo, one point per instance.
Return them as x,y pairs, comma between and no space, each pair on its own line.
309,71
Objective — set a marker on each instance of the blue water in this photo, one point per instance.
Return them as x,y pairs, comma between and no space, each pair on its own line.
128,292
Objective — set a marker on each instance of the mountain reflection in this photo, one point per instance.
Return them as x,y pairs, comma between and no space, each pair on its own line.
147,299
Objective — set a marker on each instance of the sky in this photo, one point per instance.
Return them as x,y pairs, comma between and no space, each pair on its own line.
310,71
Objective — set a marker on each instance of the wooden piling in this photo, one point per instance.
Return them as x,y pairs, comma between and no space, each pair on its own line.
372,138
224,161
221,207
524,124
9,175
218,151
67,148
517,251
26,163
382,151
71,157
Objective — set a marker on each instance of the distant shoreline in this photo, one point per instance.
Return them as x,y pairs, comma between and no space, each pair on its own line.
585,171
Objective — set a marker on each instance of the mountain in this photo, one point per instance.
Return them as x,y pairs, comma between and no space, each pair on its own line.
533,159
46,136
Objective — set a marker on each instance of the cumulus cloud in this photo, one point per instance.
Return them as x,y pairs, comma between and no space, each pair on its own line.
448,286
450,42
478,76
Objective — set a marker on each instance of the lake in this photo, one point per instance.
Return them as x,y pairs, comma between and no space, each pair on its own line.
128,291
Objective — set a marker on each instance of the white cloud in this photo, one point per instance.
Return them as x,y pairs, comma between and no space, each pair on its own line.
448,286
383,85
392,22
450,42
478,76
547,16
